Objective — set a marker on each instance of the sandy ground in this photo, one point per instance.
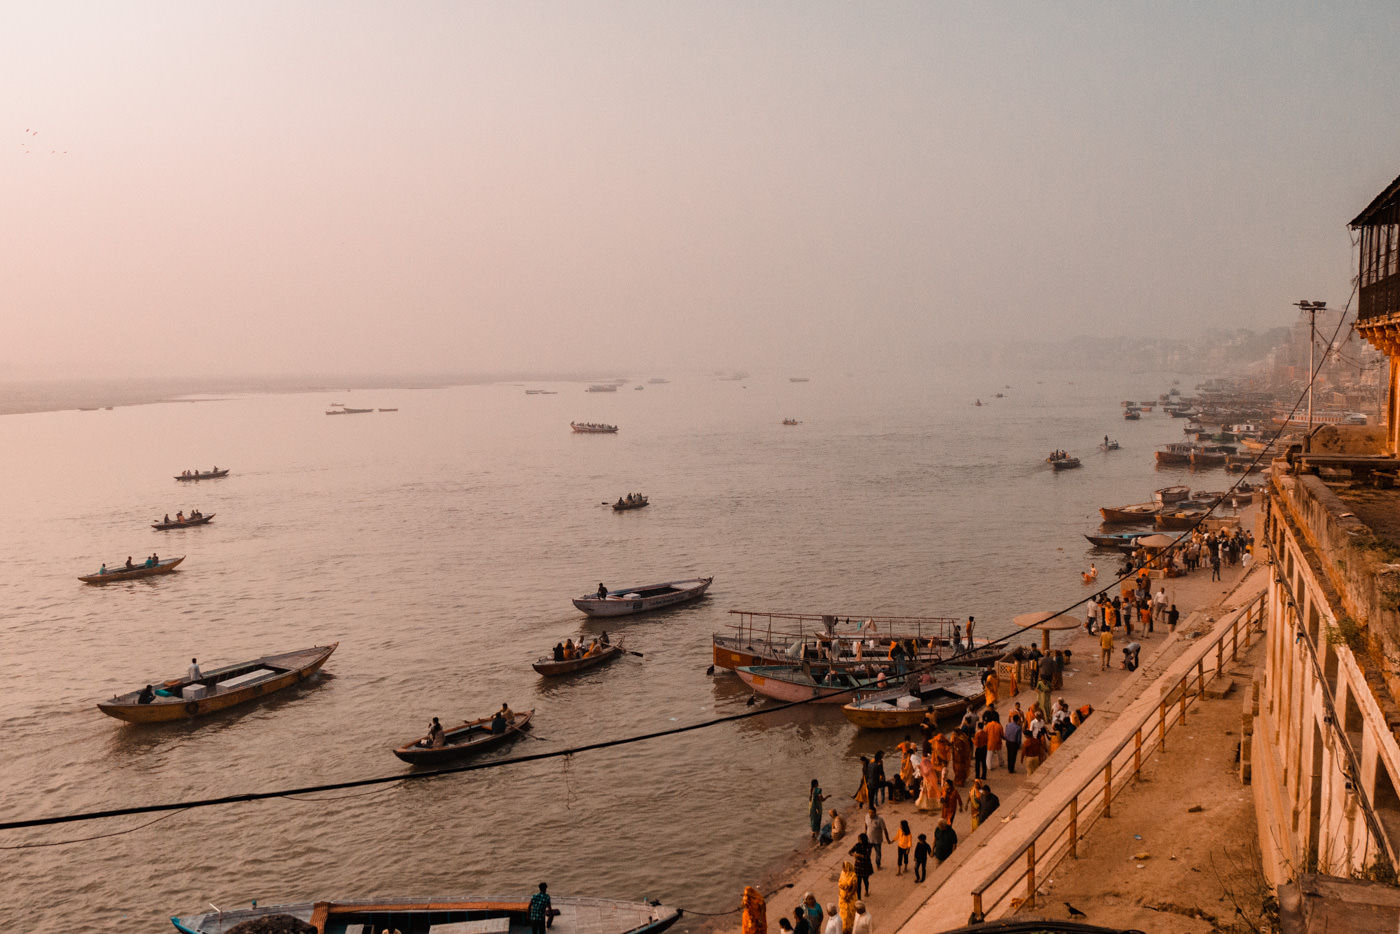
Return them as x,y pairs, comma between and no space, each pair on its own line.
1215,865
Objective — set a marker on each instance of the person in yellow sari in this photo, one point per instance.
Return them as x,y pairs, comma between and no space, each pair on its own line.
974,801
846,896
755,919
942,752
962,756
989,688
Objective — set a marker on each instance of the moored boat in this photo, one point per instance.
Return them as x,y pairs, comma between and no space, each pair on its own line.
466,739
214,474
1172,494
1140,512
1184,518
1132,414
851,643
1122,541
903,708
184,523
123,573
786,683
549,666
1175,454
490,914
220,688
625,601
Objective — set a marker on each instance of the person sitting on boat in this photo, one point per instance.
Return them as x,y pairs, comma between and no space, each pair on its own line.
592,649
129,565
507,712
435,737
603,588
498,722
148,694
167,519
102,570
558,651
193,674
568,649
620,502
604,640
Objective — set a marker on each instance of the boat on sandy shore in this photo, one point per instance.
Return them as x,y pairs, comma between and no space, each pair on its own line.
466,739
184,523
123,573
480,914
214,474
549,666
841,642
219,688
1123,515
593,428
625,601
903,708
786,683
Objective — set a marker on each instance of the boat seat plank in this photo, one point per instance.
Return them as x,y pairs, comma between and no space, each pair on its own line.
246,677
484,926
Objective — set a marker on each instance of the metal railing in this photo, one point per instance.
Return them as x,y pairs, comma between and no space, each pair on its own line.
1014,881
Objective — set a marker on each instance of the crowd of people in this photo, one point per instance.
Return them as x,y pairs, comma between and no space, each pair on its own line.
932,774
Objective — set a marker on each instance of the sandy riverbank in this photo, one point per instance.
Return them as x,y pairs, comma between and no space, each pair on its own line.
894,899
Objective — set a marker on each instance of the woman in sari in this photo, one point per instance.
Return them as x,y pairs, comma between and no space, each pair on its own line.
1042,690
952,801
942,752
974,801
814,808
962,756
846,896
989,687
928,785
755,912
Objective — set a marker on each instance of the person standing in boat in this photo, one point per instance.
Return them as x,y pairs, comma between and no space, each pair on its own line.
435,738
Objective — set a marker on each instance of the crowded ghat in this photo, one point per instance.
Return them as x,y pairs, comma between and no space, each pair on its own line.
884,841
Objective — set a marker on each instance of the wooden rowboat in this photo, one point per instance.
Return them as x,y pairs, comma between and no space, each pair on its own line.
491,914
220,688
207,475
1141,512
183,523
625,601
622,504
549,667
785,683
122,573
466,739
902,708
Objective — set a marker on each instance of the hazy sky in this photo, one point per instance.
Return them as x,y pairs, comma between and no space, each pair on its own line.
265,187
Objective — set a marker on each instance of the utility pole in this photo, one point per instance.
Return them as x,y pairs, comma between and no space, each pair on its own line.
1312,308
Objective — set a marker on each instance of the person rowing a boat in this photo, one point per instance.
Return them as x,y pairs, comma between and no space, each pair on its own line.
435,737
129,565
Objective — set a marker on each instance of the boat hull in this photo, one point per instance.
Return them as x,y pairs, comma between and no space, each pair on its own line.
467,744
574,915
122,574
664,595
1124,515
790,685
882,712
207,475
289,668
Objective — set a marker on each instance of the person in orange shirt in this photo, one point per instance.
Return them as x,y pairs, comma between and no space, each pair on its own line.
994,734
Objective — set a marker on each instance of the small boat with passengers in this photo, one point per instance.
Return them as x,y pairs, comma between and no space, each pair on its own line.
466,739
182,521
625,601
479,914
593,428
1061,461
630,501
214,474
123,573
953,692
1121,541
218,689
602,650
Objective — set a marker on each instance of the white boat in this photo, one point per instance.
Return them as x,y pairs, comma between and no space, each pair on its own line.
786,683
625,601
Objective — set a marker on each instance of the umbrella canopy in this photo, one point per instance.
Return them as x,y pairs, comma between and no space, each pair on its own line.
1045,621
1156,541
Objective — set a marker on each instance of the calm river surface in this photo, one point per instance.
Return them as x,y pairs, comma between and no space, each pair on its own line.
440,545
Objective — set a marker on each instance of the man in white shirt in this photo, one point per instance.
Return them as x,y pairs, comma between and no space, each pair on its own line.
193,674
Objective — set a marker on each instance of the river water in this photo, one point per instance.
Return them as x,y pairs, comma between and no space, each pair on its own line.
440,545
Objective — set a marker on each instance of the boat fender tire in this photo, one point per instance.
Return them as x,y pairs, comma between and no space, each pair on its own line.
191,708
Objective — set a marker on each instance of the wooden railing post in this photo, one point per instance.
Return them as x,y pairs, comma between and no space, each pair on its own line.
1074,826
1201,678
1108,789
1220,656
1162,724
977,916
1137,755
1183,698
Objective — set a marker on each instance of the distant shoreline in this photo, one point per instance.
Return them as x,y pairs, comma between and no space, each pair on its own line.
31,397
